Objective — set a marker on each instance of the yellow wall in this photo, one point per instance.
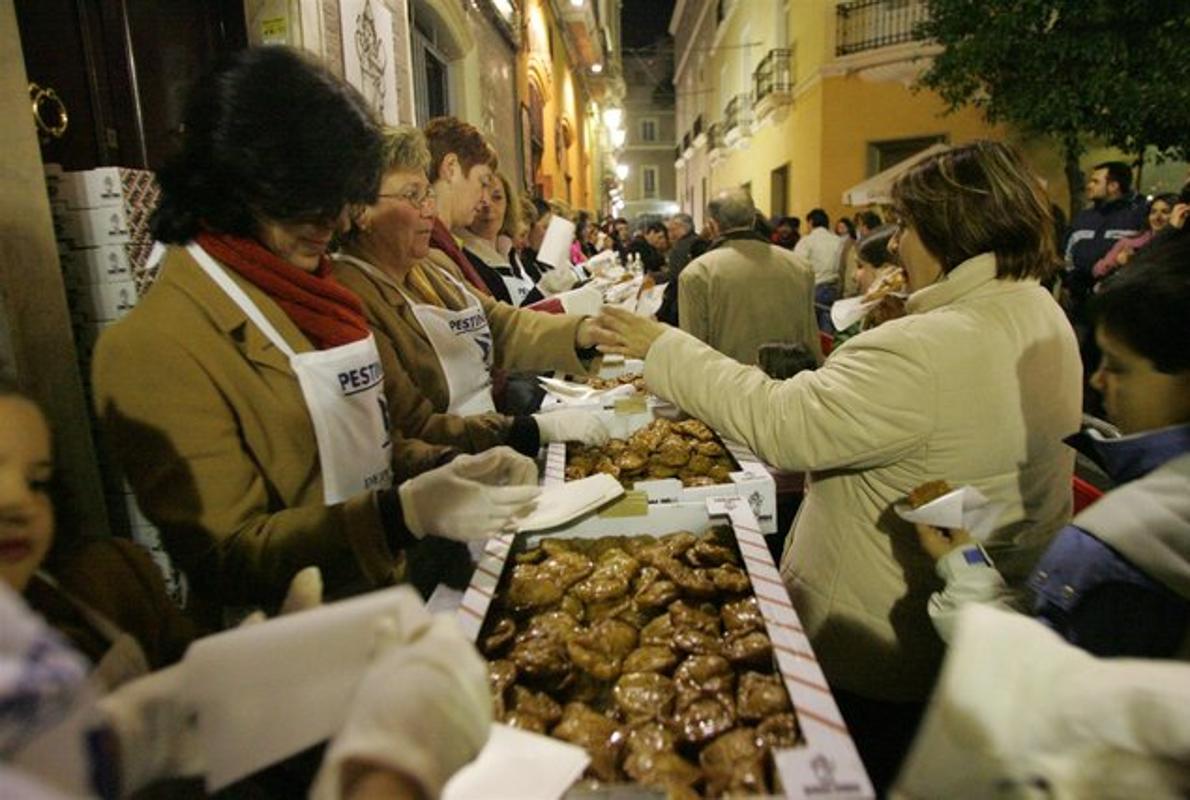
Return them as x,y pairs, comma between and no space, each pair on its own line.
824,135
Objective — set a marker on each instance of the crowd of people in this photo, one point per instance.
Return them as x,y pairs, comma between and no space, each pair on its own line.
329,390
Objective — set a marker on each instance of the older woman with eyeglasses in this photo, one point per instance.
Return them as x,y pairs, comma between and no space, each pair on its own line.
978,384
440,334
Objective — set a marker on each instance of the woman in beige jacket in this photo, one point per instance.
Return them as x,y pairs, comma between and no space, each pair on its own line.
978,385
443,338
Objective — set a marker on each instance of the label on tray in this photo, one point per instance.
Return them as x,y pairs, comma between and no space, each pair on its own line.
632,504
631,405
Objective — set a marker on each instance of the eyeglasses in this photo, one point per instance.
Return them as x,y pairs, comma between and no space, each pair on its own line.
417,198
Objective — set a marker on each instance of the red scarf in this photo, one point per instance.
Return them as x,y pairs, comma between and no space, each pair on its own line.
322,308
442,239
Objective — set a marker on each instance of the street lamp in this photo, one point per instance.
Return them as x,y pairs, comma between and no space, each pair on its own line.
618,136
622,171
596,69
613,117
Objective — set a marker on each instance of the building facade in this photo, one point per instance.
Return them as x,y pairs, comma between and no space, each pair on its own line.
647,163
801,101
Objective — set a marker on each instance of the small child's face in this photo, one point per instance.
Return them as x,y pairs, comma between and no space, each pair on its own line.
1138,397
26,472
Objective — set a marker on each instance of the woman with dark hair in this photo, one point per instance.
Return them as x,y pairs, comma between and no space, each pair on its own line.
874,262
977,384
244,396
1157,217
845,227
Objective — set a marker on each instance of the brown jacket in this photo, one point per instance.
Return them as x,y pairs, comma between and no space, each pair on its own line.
523,339
209,424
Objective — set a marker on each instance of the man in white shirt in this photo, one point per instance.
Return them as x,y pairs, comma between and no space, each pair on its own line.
821,248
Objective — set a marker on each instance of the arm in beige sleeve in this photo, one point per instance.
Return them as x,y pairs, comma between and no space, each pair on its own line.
864,407
178,441
692,303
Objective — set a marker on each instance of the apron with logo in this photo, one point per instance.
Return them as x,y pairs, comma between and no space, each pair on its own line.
343,388
462,341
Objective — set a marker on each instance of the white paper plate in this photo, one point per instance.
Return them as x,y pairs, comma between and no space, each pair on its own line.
564,502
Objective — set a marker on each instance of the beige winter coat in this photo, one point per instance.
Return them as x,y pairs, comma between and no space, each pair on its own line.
978,385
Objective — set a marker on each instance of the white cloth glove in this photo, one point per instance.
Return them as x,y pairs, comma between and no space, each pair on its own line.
473,497
571,426
557,281
1017,707
156,730
421,710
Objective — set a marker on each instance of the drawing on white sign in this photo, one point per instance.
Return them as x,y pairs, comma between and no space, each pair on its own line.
368,55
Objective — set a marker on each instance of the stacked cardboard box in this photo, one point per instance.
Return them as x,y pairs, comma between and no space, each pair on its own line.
101,221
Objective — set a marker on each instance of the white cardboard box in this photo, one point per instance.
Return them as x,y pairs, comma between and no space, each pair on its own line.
90,265
752,481
92,227
104,302
828,764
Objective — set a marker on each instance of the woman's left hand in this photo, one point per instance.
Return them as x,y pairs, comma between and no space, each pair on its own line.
626,333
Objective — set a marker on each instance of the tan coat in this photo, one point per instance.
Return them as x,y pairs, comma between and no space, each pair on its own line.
209,425
522,340
745,293
978,385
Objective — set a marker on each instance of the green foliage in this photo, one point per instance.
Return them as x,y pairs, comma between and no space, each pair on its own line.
1116,71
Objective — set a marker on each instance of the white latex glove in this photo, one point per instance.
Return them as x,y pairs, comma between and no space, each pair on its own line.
571,426
422,710
557,281
156,731
472,497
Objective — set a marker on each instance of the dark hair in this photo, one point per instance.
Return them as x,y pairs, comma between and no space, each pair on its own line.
1145,304
849,225
979,198
818,218
657,227
1169,198
870,219
447,135
792,222
1119,172
873,248
618,220
267,133
542,207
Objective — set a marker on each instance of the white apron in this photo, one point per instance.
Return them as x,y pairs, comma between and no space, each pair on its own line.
462,341
344,392
518,285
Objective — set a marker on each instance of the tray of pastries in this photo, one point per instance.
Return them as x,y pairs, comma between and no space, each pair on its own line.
651,652
687,450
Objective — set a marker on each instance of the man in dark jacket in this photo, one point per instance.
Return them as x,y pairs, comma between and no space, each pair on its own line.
681,238
1116,212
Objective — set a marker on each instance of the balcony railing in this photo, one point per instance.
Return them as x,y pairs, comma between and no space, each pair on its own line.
868,24
737,113
774,75
714,136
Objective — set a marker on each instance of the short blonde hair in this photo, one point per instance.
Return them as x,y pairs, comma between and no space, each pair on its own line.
405,149
980,198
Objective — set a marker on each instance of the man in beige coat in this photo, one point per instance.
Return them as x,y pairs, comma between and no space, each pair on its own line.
746,292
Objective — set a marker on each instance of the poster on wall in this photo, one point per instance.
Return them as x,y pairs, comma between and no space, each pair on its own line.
369,59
